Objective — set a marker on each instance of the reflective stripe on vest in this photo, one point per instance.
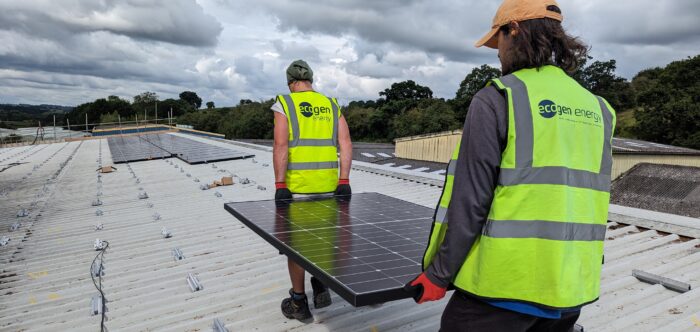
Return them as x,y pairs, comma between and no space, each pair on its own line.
312,165
542,242
539,229
441,213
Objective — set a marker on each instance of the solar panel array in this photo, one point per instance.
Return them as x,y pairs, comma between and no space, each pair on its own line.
132,148
194,152
153,146
365,247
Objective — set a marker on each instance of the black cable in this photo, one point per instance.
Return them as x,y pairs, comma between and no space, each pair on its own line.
99,288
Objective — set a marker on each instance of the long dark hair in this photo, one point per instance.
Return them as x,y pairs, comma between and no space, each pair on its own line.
544,42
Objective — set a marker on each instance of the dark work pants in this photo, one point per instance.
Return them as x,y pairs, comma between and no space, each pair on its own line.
465,314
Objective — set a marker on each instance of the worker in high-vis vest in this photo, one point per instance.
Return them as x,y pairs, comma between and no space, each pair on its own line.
310,133
519,228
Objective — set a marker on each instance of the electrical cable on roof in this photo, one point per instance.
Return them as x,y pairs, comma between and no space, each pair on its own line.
99,288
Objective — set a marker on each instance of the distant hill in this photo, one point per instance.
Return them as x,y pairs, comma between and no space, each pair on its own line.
23,115
35,109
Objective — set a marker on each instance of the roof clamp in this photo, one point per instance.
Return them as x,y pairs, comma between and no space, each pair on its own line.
244,181
177,166
177,254
194,283
213,165
4,241
204,187
143,195
166,233
149,205
97,270
22,213
99,212
578,328
97,202
156,216
97,305
260,187
182,170
254,161
137,180
188,175
99,245
99,227
655,279
196,180
15,226
265,165
217,194
99,193
219,326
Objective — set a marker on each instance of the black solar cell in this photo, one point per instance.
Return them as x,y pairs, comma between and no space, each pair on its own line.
365,247
153,146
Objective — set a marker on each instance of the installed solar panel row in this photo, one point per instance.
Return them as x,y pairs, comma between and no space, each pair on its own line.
153,146
194,152
365,247
132,148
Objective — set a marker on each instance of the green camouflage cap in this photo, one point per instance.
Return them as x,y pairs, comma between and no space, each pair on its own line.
299,70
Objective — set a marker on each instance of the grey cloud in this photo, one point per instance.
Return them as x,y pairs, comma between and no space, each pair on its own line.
446,27
647,22
296,50
181,22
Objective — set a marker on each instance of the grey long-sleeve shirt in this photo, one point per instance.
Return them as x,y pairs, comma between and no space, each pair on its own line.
483,141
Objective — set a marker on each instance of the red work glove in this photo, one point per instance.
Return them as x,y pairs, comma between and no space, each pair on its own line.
343,188
425,289
282,192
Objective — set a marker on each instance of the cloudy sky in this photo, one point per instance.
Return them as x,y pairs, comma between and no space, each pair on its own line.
72,51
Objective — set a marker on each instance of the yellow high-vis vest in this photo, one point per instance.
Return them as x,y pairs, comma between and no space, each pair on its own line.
312,165
543,240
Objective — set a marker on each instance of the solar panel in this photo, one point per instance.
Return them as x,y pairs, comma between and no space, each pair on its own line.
192,151
365,247
153,146
132,148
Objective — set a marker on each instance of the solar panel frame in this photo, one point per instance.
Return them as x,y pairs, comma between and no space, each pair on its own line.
374,256
194,152
131,149
157,146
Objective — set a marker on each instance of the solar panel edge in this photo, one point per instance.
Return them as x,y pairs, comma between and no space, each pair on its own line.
357,293
337,287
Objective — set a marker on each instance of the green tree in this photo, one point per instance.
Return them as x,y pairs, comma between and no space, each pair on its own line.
599,77
191,98
210,104
429,116
406,90
669,104
472,83
177,106
146,98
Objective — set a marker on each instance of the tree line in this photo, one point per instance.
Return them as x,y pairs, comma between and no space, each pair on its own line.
659,104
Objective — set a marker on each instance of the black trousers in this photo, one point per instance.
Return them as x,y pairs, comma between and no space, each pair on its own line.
465,314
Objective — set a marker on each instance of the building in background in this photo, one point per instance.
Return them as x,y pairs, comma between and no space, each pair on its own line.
627,153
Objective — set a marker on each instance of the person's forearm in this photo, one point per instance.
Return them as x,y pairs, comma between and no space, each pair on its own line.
279,162
345,159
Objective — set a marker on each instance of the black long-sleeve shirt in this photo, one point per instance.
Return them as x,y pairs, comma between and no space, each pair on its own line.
483,141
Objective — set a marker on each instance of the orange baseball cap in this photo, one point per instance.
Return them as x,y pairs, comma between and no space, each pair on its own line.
517,10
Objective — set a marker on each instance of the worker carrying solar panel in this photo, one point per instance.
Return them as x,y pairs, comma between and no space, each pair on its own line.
519,228
309,129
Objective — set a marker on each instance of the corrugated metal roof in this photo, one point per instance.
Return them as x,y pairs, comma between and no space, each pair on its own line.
665,188
45,281
634,146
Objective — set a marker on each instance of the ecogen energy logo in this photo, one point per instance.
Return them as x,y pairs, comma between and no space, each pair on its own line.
548,109
309,110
